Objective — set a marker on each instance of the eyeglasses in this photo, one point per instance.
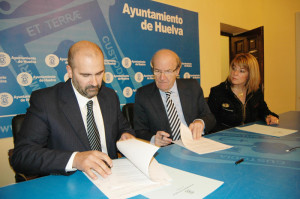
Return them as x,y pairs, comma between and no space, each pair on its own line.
167,72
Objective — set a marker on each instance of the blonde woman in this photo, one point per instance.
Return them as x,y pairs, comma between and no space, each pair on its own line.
239,99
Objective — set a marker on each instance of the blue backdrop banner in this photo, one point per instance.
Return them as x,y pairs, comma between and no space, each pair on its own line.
35,36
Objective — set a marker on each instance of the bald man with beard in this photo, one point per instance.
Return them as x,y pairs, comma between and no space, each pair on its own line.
53,138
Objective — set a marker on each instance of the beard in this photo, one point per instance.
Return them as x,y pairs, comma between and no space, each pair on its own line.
89,91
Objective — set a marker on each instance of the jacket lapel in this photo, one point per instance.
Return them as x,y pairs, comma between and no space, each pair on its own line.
158,107
70,108
184,96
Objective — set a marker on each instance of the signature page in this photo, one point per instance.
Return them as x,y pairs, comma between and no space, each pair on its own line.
201,146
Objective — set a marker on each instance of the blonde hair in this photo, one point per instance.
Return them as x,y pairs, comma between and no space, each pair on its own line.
249,62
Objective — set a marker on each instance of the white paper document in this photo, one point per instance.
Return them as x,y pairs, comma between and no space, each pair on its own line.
267,130
139,173
185,185
201,146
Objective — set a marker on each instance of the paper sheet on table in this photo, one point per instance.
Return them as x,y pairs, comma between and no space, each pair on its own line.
201,146
185,185
267,130
138,173
140,154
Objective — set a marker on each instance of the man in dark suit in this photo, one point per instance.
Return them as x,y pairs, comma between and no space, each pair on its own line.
53,138
151,119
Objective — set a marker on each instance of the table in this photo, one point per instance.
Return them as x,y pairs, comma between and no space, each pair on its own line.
268,171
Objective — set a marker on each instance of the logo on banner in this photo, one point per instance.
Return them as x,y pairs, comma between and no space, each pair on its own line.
186,75
127,92
139,77
24,79
108,77
66,77
126,62
6,99
4,59
52,60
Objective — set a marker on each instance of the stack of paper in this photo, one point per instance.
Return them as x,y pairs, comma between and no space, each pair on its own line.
139,173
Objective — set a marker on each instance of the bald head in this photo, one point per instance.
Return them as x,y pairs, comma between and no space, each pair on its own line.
83,48
165,54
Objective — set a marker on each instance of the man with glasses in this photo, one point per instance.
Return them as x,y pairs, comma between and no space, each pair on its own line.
161,106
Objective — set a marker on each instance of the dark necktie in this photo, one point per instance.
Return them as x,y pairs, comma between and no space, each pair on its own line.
92,131
173,117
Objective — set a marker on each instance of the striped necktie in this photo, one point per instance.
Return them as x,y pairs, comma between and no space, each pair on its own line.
92,131
173,117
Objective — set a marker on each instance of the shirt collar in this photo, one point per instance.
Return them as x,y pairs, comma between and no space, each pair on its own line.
173,89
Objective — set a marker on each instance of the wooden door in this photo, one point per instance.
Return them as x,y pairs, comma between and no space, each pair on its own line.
251,42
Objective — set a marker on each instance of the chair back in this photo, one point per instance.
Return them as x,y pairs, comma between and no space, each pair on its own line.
16,124
127,111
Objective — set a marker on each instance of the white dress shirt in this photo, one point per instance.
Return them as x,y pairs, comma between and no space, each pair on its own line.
82,101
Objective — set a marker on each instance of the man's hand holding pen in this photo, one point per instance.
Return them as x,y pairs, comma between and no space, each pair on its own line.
93,160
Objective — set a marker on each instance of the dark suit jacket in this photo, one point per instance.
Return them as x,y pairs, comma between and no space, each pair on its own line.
53,129
230,111
150,115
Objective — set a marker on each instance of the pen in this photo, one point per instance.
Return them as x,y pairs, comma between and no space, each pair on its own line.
107,164
239,161
291,149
